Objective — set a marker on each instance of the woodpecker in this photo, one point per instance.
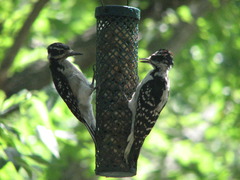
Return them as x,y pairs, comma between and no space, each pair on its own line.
72,85
148,100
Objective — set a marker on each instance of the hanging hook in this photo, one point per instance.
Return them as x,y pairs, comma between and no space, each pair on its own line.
101,2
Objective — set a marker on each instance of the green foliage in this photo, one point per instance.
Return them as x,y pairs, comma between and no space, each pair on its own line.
197,136
185,14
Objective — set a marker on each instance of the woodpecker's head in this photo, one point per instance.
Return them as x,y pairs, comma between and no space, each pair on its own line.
59,51
160,59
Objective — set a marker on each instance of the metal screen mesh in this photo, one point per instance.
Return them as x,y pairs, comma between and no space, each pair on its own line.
116,77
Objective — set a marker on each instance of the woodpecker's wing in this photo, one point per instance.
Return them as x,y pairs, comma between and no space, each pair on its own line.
77,73
150,102
64,90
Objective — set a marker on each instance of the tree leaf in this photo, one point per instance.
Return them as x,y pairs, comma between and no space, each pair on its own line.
38,159
48,138
15,157
2,162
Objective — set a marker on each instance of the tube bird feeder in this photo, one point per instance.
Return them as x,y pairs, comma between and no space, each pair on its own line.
116,79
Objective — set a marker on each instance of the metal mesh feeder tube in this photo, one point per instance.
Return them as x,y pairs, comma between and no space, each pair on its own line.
116,77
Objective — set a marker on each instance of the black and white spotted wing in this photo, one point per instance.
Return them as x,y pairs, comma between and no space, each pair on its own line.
152,99
65,91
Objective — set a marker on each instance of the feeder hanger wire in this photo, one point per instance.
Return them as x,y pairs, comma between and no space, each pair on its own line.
101,1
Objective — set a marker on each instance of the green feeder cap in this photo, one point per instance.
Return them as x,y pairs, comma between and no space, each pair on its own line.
127,11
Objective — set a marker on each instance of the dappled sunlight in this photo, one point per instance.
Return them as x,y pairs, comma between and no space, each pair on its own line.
196,137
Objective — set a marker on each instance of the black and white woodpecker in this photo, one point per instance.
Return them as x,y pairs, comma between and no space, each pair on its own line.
72,85
148,100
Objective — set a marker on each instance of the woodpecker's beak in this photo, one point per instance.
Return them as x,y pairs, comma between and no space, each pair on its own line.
74,53
145,60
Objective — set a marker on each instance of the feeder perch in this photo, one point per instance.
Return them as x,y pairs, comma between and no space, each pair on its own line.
116,79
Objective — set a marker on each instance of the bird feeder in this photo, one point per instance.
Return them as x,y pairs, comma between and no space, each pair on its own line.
116,79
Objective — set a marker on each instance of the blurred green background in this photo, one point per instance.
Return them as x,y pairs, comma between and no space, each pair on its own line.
197,136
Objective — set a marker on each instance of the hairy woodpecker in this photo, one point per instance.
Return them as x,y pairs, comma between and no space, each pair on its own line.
72,85
148,100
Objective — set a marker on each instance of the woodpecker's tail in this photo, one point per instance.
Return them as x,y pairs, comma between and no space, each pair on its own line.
92,133
129,146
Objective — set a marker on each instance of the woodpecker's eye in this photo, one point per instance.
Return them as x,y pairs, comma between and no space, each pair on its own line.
57,49
56,52
155,58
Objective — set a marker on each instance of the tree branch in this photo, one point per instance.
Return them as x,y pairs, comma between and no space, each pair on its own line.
33,77
183,32
37,76
19,40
